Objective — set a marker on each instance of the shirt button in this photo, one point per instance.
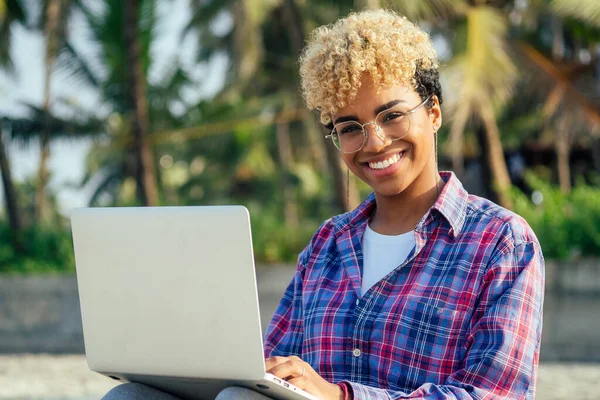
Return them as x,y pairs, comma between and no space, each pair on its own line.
356,352
357,301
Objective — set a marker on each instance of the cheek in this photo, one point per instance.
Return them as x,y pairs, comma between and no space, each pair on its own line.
350,162
421,140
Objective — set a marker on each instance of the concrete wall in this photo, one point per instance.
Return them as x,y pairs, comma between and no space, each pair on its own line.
572,311
41,314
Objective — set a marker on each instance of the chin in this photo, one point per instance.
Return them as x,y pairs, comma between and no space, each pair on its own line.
389,190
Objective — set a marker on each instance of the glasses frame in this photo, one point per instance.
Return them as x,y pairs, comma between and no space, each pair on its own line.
378,129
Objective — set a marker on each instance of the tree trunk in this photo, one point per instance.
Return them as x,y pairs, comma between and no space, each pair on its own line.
561,143
346,193
596,154
456,140
290,205
248,49
53,12
10,196
562,148
136,88
484,156
500,178
314,133
564,170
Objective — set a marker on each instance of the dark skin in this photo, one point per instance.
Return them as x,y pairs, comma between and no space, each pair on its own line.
404,191
291,369
406,194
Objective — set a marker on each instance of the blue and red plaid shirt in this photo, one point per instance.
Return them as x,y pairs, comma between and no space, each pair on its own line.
461,318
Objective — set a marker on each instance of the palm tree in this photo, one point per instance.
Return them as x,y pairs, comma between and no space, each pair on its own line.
111,167
584,10
482,79
563,80
12,209
11,11
119,71
138,104
54,33
28,129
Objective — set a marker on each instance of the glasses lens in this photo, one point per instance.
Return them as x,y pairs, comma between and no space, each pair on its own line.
394,122
348,136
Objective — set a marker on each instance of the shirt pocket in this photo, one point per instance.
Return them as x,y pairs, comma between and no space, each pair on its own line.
428,342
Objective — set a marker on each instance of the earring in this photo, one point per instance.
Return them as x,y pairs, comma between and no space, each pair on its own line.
348,188
436,147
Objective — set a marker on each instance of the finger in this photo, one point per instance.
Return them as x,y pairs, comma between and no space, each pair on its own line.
274,361
288,369
301,382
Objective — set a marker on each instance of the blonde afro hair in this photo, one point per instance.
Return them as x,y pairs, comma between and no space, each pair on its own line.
380,43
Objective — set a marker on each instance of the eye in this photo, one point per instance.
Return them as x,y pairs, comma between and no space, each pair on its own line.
348,129
392,116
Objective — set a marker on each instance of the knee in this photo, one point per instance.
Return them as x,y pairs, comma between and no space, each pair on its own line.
135,391
237,393
123,391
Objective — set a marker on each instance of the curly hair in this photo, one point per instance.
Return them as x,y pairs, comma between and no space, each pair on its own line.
381,43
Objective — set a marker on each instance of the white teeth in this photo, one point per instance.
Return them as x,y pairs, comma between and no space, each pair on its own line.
386,163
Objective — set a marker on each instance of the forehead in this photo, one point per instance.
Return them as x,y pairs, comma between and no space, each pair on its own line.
369,97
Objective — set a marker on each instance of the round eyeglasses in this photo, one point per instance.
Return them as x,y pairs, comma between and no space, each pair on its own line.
391,124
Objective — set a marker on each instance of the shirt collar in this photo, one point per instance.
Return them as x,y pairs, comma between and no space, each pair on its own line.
451,204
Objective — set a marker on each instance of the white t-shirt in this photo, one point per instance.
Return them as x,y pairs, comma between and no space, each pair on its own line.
382,254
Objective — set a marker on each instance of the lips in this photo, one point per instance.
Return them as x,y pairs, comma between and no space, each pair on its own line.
381,163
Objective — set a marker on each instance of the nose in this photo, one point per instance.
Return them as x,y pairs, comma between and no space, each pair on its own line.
376,139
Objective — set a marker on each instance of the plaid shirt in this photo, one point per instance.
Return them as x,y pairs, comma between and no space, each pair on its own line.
461,318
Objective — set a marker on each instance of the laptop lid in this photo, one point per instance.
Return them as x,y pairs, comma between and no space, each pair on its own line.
169,291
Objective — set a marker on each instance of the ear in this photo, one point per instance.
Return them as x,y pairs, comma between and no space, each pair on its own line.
435,114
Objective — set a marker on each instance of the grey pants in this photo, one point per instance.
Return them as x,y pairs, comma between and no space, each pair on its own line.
137,391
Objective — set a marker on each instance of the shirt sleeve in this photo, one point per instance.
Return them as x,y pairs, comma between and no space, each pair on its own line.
285,332
503,343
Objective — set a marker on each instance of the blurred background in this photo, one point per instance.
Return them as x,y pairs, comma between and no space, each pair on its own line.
197,102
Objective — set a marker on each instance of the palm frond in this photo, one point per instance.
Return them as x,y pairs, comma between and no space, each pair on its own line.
558,86
76,66
485,73
429,10
38,121
204,13
13,11
483,77
584,10
108,186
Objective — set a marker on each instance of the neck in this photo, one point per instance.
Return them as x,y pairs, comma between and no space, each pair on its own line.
401,213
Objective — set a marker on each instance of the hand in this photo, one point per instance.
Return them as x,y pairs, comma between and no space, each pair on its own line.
301,375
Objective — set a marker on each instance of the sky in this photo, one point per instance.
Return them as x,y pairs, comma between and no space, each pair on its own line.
67,160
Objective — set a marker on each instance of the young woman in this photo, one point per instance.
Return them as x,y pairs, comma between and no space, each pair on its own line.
423,291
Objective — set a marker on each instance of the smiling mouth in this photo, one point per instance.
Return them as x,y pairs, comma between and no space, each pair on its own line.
386,163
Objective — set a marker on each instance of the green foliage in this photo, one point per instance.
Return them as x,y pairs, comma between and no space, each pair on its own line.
567,224
47,250
274,242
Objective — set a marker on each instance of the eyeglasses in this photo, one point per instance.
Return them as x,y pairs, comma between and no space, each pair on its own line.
391,124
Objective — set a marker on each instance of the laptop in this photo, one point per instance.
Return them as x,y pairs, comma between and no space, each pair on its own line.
168,299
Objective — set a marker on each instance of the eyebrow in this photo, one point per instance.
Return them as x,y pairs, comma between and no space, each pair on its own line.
379,109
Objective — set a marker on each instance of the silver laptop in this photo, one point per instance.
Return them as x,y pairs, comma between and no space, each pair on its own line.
168,298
